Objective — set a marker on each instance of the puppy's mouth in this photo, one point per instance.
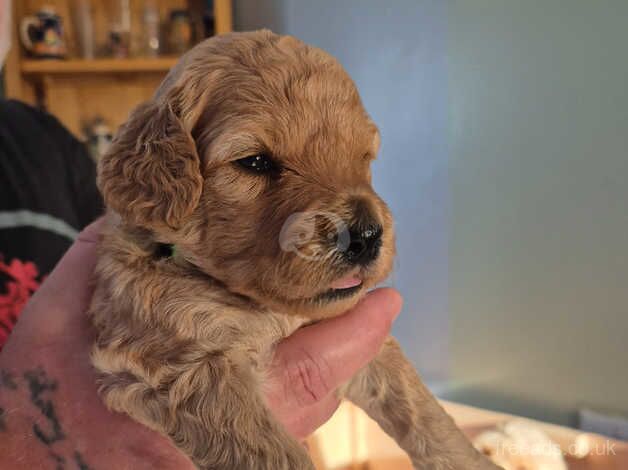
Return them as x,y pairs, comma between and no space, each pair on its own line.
341,288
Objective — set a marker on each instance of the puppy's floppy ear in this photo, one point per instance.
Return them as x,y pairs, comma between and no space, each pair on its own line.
151,173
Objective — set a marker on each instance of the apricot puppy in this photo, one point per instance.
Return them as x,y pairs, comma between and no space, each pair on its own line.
240,208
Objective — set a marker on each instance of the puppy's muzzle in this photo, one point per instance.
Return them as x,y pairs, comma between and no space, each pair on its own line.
352,234
364,234
365,243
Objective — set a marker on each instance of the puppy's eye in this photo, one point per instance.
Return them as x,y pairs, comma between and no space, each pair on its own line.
258,164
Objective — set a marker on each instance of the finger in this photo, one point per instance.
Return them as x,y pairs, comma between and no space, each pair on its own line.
302,422
67,290
317,359
91,233
71,276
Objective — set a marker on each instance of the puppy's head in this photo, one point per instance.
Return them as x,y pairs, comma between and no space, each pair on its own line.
253,159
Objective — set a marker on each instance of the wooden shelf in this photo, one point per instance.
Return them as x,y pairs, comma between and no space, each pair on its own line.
102,66
77,90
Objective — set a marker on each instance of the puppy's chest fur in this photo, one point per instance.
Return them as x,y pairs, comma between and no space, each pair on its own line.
156,318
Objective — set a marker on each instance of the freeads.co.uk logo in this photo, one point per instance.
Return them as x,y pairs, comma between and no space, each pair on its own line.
314,235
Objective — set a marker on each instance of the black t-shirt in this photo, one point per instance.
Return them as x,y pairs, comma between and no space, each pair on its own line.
47,195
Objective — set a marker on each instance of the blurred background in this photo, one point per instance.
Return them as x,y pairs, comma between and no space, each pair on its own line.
504,159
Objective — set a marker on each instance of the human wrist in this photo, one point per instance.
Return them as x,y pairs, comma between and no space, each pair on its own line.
49,419
32,433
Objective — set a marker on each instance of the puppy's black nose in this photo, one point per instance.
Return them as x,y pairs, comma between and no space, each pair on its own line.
364,244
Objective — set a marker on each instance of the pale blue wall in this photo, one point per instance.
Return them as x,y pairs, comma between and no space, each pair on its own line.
539,231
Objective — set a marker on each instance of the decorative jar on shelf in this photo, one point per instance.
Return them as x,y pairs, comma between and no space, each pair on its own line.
179,32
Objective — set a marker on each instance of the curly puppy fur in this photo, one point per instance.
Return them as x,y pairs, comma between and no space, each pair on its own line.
183,341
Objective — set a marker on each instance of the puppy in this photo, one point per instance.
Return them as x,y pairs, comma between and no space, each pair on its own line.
241,208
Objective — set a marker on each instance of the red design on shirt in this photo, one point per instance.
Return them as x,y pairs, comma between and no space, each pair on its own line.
21,286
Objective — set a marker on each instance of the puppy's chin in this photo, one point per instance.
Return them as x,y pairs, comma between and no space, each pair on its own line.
330,302
320,306
337,301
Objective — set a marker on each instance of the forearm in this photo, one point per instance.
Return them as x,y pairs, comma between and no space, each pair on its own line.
50,421
34,432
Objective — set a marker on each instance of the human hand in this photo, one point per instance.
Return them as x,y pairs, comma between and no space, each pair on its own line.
52,417
311,364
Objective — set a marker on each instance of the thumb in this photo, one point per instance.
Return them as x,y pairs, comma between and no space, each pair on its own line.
317,359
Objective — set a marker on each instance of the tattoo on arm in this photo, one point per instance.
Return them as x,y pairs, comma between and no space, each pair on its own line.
58,460
39,385
7,380
3,424
78,458
42,389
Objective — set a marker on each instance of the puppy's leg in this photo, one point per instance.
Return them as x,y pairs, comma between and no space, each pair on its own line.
390,391
212,412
